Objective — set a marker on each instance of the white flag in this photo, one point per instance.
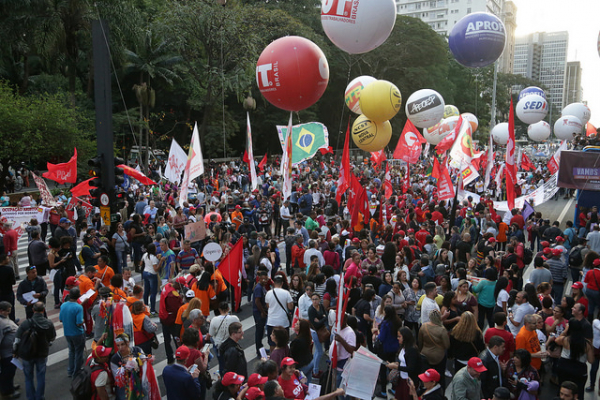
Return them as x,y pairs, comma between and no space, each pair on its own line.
176,163
253,178
286,163
194,166
490,163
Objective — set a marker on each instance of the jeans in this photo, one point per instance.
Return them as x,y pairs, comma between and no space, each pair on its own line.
259,326
76,346
137,252
121,261
169,334
40,370
58,286
557,292
338,376
7,376
593,302
318,351
150,289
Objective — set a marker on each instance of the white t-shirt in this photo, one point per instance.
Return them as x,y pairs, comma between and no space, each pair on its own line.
277,316
219,328
502,297
149,262
350,337
427,306
519,315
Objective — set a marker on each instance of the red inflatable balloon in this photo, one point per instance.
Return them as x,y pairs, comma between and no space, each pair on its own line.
292,73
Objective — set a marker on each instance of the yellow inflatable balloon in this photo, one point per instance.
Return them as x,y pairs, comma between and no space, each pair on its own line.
370,135
380,100
451,111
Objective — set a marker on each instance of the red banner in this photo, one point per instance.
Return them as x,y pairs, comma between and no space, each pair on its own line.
63,173
409,145
387,183
448,141
231,269
445,186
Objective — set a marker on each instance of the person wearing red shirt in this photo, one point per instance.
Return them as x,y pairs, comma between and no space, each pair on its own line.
517,219
11,241
437,216
293,386
421,235
499,329
170,301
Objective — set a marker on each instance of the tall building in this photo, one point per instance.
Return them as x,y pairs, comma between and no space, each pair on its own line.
573,90
442,15
542,56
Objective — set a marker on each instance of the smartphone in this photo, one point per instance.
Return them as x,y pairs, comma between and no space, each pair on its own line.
205,348
193,368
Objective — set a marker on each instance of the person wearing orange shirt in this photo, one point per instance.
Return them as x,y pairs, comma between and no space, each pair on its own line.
138,294
115,287
189,295
103,271
205,291
237,217
88,281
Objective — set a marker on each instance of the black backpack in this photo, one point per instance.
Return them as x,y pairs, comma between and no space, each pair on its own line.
329,208
303,202
28,345
81,385
575,257
527,256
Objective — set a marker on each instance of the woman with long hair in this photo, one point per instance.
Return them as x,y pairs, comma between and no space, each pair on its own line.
317,316
296,288
444,286
501,295
576,353
372,260
486,300
519,367
443,258
386,284
449,311
433,343
313,270
388,258
544,289
300,348
408,363
330,296
466,301
440,237
386,300
150,276
532,296
280,337
388,337
466,340
412,296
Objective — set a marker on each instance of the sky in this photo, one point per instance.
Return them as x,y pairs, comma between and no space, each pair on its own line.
581,19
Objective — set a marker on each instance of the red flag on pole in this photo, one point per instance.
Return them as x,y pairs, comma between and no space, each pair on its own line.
63,173
387,183
263,162
231,269
358,201
406,180
135,174
409,145
445,186
526,163
344,179
511,173
436,170
448,141
83,189
377,158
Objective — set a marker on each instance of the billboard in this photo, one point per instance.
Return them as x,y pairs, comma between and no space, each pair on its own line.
579,170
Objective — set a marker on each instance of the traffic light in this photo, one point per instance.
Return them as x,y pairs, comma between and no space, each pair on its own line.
96,173
119,172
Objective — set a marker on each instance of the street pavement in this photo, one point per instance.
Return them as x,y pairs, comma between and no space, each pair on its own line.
57,382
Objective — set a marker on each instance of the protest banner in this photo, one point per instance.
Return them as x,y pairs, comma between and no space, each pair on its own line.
195,231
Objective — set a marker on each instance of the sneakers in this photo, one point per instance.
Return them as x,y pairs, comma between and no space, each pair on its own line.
589,389
383,395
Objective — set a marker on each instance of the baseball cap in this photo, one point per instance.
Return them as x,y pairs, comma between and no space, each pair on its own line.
87,237
431,375
355,240
547,250
101,351
72,281
190,294
254,393
556,252
182,353
401,232
192,208
257,379
64,220
476,364
231,378
238,207
596,262
577,285
560,239
287,361
411,230
492,240
545,243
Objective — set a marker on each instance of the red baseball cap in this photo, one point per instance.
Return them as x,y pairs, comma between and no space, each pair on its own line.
238,207
560,239
253,393
431,375
556,252
72,281
401,233
257,379
545,243
411,230
547,250
476,364
101,351
355,240
492,240
182,353
287,361
577,285
596,262
231,378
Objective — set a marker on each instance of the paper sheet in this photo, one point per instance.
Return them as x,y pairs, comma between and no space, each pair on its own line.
28,297
86,296
263,352
17,363
314,391
53,274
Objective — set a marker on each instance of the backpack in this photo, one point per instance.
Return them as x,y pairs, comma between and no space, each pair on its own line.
575,241
575,257
329,209
527,256
81,260
28,345
303,202
81,385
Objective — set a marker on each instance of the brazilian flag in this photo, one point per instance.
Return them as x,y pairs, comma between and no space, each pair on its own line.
306,140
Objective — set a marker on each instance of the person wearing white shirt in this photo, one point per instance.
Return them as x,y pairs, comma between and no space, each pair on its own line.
304,301
313,251
279,303
429,303
219,326
284,211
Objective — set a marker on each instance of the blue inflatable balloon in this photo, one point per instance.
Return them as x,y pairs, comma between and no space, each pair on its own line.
477,40
532,90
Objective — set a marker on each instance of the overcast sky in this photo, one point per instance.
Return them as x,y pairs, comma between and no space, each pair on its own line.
581,19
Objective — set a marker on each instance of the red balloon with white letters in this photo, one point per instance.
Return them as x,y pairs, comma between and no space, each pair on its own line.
292,73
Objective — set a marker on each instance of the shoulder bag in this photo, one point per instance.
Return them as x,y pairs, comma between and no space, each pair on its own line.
287,313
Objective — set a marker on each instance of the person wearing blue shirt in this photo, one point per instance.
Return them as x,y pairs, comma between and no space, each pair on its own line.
305,203
179,382
167,261
71,316
259,309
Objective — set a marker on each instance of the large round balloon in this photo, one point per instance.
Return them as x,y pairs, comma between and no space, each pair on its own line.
477,40
451,111
432,134
567,126
292,73
539,131
532,90
472,119
370,135
425,108
358,26
500,133
353,90
579,110
532,109
380,100
448,125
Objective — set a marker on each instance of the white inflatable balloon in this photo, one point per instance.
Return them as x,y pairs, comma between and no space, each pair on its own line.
425,108
472,119
539,131
352,93
579,110
532,109
432,134
566,127
358,26
500,133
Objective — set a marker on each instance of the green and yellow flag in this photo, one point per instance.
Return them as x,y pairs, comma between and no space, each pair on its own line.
306,140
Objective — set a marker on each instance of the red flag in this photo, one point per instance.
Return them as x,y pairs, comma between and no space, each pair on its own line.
526,163
358,200
326,150
448,141
83,189
263,162
444,185
409,145
554,161
245,157
377,158
406,180
511,173
387,182
63,173
344,179
135,174
231,269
